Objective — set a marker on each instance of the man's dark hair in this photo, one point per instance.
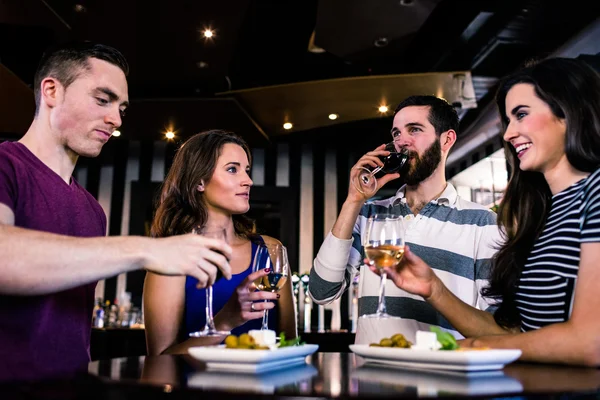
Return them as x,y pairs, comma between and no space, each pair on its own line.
65,62
442,115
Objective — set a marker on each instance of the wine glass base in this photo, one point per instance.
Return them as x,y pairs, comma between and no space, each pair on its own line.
379,316
209,333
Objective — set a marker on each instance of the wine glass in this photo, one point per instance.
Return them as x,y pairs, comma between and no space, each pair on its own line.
209,328
273,256
366,183
383,242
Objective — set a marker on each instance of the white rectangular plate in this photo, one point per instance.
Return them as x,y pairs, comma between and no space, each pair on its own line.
256,361
468,360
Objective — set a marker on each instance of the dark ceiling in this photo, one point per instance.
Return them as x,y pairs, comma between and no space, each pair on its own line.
180,79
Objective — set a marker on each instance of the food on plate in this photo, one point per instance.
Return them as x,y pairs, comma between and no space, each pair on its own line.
427,341
259,339
437,339
244,341
287,343
447,341
263,337
398,340
473,348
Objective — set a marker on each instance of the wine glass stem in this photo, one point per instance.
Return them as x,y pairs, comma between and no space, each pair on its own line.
265,321
376,170
381,309
210,323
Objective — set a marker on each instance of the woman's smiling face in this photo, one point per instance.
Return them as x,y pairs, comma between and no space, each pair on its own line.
536,134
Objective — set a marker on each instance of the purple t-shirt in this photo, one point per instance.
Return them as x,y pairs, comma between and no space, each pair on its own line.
49,335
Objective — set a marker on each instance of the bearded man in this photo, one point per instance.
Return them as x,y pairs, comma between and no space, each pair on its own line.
456,237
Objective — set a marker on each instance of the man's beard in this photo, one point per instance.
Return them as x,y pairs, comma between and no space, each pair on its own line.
423,166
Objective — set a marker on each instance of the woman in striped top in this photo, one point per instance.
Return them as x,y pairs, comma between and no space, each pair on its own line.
546,274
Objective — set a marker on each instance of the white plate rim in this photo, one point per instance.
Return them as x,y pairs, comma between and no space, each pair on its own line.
220,354
440,357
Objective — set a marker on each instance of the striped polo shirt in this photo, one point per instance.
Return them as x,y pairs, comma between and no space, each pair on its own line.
547,283
457,238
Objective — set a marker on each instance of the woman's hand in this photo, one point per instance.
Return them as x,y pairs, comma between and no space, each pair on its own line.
246,303
413,275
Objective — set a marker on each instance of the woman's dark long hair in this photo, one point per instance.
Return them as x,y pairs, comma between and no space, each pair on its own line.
181,206
571,88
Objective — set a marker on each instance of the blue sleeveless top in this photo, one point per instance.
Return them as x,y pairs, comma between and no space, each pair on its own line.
195,301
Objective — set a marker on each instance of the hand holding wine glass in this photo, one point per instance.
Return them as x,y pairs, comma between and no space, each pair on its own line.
245,303
412,274
209,328
383,242
387,159
274,257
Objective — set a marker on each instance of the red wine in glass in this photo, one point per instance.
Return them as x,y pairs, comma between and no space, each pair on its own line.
393,162
366,181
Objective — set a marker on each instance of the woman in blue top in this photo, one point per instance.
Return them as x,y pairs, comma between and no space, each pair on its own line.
546,274
208,185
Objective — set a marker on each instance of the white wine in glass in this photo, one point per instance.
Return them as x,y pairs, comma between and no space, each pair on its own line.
386,255
383,242
274,257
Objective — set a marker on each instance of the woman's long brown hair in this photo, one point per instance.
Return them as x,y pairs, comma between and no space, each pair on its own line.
181,206
571,89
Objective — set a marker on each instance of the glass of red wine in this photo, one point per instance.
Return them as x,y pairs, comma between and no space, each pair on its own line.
209,328
366,183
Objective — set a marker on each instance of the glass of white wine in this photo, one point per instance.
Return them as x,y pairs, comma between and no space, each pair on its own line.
273,256
383,241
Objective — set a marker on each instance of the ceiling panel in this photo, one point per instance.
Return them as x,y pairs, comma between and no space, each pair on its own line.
307,105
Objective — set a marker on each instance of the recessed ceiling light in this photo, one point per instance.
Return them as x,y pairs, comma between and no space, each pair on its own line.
383,109
202,64
208,33
170,135
381,42
406,2
333,116
287,126
79,8
116,133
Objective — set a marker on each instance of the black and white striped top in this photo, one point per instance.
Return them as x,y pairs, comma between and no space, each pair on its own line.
546,286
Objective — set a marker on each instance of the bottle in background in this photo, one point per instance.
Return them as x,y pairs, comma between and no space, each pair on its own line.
98,315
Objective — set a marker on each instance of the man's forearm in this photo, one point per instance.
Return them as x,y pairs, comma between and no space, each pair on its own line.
344,225
35,263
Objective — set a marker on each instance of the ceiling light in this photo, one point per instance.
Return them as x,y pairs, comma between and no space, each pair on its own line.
383,109
170,135
79,8
116,133
202,64
287,126
208,33
381,42
333,116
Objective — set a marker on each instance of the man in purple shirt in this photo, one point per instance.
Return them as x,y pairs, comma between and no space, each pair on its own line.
52,244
